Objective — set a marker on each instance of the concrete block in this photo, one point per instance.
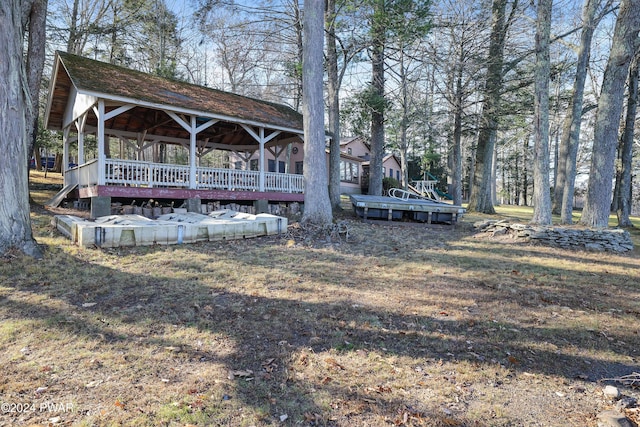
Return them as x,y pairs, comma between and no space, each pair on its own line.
194,205
100,206
261,206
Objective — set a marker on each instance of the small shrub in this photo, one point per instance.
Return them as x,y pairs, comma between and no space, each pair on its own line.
389,183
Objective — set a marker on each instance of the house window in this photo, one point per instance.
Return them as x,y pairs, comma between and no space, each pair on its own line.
238,164
348,171
271,165
299,169
253,164
349,150
398,175
390,173
281,167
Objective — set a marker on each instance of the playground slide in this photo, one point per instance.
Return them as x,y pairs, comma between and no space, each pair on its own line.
443,194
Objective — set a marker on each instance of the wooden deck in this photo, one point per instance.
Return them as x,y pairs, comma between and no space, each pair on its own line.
408,210
158,181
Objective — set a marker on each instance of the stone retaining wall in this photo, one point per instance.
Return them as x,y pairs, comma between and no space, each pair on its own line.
610,239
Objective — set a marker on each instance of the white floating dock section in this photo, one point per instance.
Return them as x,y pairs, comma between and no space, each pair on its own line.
170,229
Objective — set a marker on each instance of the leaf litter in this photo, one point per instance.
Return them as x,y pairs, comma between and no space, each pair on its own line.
390,325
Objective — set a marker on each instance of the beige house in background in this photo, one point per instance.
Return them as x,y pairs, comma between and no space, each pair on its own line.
355,154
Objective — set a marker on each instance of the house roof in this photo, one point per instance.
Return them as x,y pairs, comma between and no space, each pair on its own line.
348,140
152,95
347,156
391,156
385,159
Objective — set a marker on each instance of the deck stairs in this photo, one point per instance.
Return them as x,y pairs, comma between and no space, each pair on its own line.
62,194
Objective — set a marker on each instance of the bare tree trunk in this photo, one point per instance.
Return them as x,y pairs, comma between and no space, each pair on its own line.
516,178
35,65
84,18
300,44
541,194
72,42
568,150
317,209
455,152
17,116
504,196
623,183
404,166
480,199
494,176
377,100
403,146
524,199
333,95
624,44
114,49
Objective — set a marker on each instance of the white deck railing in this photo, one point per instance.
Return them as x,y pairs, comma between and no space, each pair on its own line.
228,179
145,174
84,175
283,182
71,176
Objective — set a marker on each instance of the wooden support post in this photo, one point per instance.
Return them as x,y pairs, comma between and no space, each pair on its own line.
102,142
261,142
65,153
192,152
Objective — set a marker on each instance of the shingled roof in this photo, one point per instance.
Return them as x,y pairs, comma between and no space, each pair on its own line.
121,85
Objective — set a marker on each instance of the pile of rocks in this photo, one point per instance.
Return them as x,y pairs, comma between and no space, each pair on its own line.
612,240
623,406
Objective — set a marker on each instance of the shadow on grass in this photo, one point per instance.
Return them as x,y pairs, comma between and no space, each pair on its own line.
249,341
522,251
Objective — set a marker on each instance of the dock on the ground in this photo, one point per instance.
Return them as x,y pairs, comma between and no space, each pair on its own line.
380,208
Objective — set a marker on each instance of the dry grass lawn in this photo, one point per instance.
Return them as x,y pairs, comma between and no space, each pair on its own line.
403,326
